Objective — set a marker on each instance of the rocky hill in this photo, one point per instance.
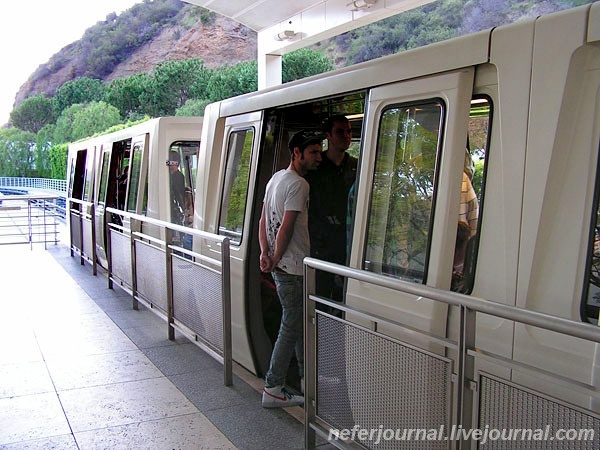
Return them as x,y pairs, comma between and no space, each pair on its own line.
159,30
217,41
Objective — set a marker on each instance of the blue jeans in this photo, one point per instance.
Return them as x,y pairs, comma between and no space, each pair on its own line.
290,290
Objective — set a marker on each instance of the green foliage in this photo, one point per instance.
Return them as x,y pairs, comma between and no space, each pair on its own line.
303,63
192,107
126,93
17,153
43,143
79,90
230,81
81,121
173,83
58,161
34,113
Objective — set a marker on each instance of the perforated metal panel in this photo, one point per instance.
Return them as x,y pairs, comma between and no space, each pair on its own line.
121,256
76,232
508,407
369,380
197,300
150,274
87,237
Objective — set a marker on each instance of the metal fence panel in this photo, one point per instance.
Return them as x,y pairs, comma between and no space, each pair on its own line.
150,274
197,303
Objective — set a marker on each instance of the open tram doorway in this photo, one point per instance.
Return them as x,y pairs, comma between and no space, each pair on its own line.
279,124
112,188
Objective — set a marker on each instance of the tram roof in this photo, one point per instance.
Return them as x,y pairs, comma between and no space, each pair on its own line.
283,26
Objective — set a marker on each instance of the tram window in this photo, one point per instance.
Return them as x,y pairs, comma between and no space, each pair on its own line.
104,177
402,199
182,202
235,189
135,165
590,305
87,195
78,175
471,199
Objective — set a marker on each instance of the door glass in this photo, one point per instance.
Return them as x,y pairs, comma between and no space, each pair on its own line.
235,190
403,190
590,306
104,177
471,196
135,165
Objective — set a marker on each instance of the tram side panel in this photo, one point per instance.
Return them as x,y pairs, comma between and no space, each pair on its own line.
558,199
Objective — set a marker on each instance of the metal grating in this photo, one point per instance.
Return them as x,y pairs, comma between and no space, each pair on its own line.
87,237
76,232
150,272
197,300
371,381
506,407
120,251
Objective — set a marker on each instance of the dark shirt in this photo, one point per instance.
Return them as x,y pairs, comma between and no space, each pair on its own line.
329,186
177,197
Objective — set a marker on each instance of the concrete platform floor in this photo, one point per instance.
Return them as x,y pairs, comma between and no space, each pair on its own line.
80,369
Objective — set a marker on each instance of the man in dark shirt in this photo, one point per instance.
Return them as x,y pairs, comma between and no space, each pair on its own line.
329,186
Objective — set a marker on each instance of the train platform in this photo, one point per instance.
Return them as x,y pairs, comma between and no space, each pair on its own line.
80,369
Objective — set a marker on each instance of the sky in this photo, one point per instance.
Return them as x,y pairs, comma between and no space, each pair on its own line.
32,31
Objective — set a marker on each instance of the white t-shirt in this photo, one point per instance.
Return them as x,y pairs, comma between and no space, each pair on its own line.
288,191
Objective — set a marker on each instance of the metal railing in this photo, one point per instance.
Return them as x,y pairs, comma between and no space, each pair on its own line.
29,219
359,380
46,184
146,257
28,186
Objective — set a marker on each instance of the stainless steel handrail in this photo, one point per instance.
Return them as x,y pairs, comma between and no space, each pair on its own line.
466,350
46,208
135,221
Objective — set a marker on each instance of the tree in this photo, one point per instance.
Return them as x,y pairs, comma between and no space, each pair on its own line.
34,113
175,82
17,153
303,63
80,121
192,107
43,143
230,81
126,94
58,161
79,90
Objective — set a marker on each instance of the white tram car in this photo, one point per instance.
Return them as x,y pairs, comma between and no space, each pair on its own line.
523,99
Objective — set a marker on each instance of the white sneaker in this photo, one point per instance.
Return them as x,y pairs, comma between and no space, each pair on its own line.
280,397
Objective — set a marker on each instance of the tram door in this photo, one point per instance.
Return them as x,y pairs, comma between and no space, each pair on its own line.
235,219
114,157
407,200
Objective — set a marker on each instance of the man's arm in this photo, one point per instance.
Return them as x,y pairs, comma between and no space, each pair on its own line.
266,261
284,235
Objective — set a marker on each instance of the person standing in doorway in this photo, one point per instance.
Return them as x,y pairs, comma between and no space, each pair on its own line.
284,243
329,188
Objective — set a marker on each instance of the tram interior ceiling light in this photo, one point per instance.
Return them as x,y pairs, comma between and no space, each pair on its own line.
286,35
356,5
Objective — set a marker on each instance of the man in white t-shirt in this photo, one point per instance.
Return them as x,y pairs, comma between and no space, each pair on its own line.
284,242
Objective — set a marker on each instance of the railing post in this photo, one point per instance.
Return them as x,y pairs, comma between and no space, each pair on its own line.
169,278
93,228
310,358
134,226
226,296
108,249
29,225
466,373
